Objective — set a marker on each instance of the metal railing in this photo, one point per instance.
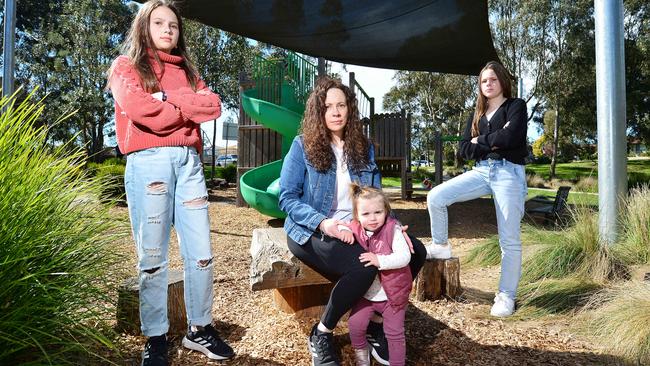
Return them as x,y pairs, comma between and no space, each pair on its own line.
270,73
365,103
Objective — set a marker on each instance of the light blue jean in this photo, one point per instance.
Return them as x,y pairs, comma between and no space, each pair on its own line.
165,186
506,182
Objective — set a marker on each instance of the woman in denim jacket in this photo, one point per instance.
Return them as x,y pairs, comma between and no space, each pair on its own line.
314,192
496,138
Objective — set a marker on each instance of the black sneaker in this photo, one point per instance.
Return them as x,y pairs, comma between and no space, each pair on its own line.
321,348
207,341
378,343
155,351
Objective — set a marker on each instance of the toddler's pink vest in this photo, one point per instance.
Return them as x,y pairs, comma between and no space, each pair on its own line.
397,282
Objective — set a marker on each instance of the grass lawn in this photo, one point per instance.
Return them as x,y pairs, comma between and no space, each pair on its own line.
575,198
579,169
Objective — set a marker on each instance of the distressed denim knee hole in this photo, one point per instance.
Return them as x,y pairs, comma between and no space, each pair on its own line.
152,270
204,263
157,188
200,202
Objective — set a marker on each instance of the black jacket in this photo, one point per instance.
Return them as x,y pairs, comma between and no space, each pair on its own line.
496,140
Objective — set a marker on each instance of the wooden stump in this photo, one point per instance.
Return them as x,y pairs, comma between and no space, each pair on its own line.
128,310
438,278
297,288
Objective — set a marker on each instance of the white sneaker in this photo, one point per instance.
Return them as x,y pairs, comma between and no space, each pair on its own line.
438,251
503,305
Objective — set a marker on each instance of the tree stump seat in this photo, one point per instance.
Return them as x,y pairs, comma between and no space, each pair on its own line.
128,309
297,289
438,278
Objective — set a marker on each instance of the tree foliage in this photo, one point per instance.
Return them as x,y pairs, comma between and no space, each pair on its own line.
438,103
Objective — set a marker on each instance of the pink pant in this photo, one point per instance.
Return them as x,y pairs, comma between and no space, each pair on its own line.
393,327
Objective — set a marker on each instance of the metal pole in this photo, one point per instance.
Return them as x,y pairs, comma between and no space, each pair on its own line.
8,52
610,92
321,67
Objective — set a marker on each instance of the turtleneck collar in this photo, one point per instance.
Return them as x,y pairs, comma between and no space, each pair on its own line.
167,58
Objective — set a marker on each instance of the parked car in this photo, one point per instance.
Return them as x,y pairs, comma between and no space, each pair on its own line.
419,163
223,160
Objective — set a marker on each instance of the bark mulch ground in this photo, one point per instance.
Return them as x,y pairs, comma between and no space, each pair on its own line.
438,333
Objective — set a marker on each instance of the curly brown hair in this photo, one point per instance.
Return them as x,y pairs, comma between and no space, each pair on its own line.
317,137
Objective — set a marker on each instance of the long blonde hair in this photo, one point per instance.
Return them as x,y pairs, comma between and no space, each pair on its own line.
138,44
358,191
317,138
481,101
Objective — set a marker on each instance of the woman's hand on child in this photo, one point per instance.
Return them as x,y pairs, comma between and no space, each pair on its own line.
330,227
370,259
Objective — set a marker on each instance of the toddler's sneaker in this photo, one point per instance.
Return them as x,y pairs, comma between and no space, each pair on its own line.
438,251
503,305
207,341
377,340
155,351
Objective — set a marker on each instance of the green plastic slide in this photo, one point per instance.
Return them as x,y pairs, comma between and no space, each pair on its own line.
260,186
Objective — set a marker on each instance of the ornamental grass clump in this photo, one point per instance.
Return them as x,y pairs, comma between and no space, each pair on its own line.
634,247
618,318
55,256
577,252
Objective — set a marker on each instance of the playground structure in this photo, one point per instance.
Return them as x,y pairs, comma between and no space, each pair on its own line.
272,103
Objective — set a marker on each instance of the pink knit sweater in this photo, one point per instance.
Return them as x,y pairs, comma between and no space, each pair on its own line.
142,121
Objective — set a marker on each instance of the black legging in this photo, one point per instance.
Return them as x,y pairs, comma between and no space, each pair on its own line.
339,262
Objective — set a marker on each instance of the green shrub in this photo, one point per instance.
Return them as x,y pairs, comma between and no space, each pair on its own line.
56,248
229,172
114,161
420,174
110,172
637,179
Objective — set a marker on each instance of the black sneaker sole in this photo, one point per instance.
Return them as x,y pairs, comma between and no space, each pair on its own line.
197,347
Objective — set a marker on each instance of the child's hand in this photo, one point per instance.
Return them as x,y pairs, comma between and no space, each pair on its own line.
346,236
370,258
406,237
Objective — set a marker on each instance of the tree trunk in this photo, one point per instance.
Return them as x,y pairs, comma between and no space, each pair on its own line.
556,138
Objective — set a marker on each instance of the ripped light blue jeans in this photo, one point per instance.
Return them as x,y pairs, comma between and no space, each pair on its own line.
506,182
165,186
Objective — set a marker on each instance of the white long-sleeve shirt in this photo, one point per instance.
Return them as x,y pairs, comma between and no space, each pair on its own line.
400,257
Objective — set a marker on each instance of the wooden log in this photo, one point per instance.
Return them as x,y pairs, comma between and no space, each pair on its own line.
273,266
128,310
438,278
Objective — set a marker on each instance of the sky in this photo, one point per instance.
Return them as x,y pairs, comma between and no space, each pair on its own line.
376,82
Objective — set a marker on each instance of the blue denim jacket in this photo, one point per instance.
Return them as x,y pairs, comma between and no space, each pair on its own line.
306,194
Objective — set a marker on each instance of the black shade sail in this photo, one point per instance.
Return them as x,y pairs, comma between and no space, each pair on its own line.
449,36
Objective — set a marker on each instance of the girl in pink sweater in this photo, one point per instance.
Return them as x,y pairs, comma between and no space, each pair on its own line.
159,103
